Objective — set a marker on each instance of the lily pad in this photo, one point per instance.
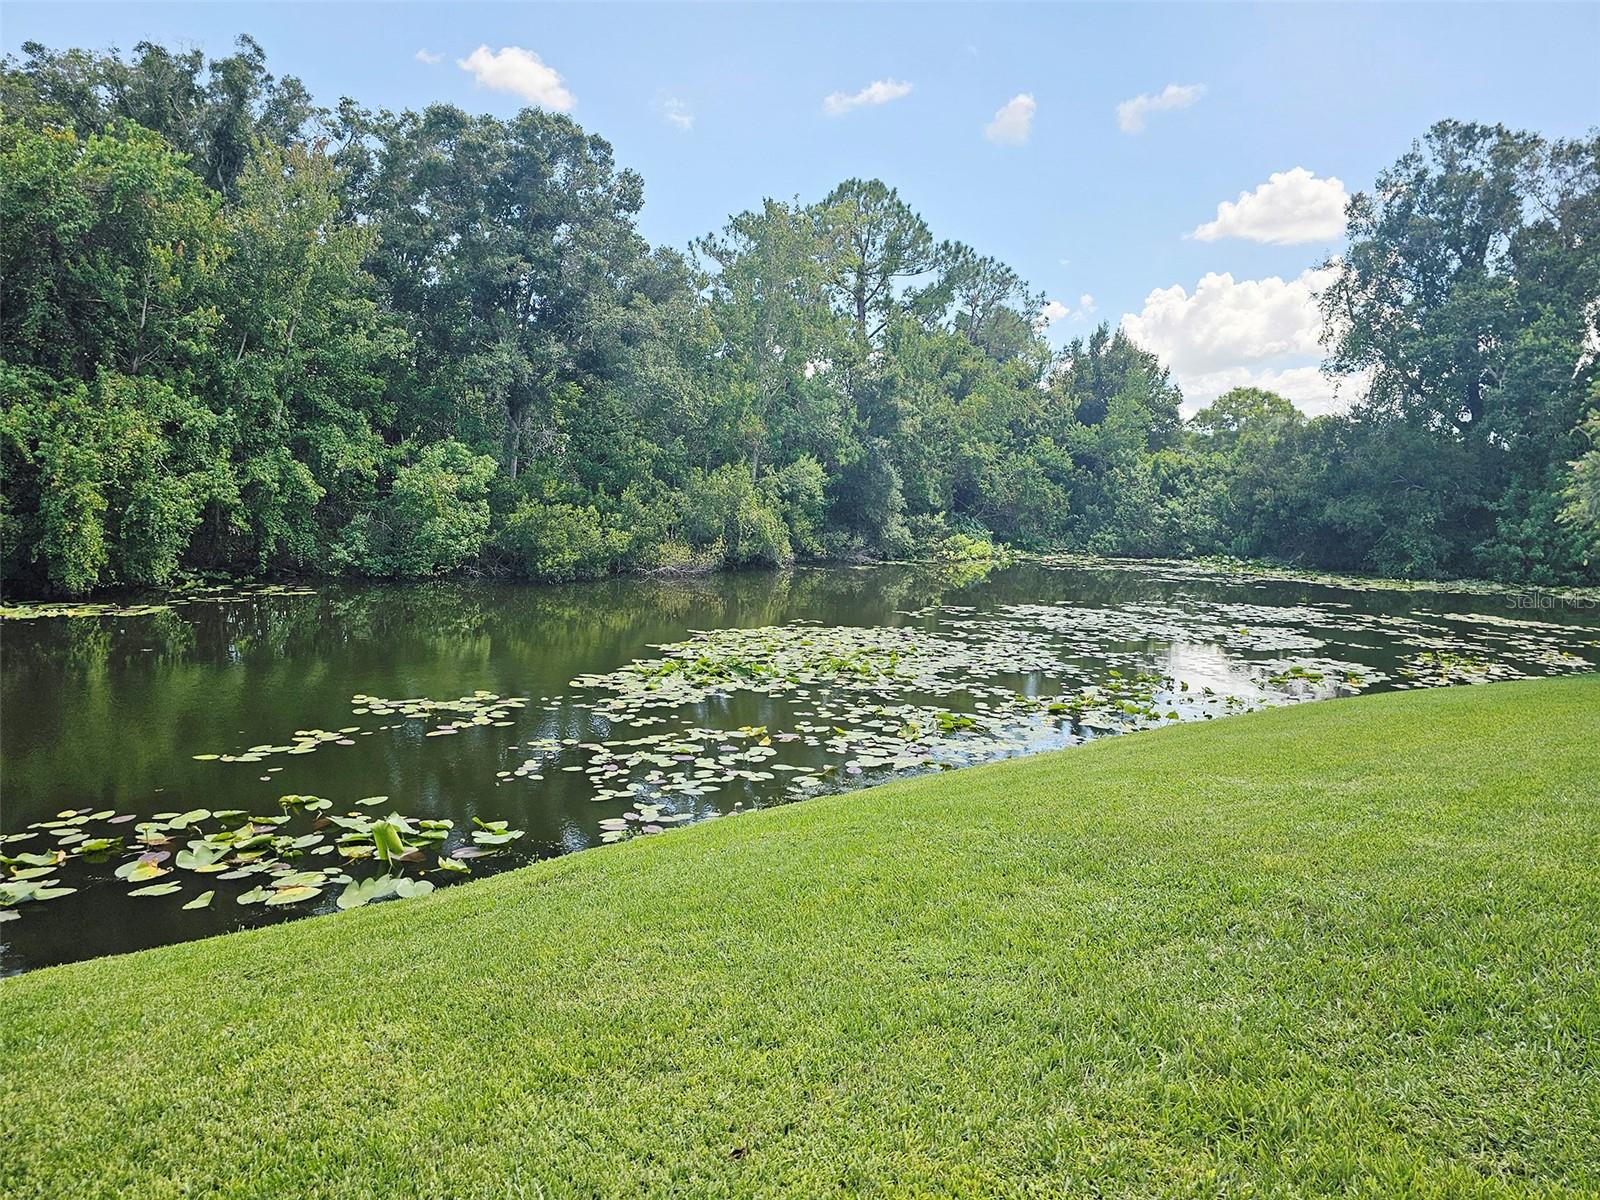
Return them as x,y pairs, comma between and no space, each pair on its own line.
292,895
157,889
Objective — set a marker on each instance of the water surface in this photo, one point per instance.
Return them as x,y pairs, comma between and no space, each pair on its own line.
555,710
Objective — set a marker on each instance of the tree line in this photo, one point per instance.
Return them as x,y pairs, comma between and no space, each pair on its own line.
243,334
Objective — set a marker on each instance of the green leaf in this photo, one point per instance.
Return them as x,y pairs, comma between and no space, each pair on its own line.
292,895
300,879
201,857
483,838
364,891
386,837
157,889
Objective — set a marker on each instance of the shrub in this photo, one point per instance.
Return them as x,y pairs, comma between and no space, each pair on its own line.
798,492
725,506
105,481
556,541
438,512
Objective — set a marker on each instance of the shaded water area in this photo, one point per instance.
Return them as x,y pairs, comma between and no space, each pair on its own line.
147,750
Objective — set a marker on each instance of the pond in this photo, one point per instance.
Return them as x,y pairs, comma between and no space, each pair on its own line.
228,758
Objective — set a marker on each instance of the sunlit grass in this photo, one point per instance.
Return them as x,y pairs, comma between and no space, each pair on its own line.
1343,948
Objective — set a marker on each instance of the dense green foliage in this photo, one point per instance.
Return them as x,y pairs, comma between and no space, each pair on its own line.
243,334
1262,956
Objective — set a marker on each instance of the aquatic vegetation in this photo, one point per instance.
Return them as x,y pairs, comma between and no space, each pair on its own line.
305,742
230,594
43,610
478,709
724,721
841,697
1216,566
1439,667
231,845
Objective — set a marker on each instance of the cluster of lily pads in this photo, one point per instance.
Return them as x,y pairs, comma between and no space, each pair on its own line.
1440,668
478,709
465,712
843,696
1505,647
840,694
220,594
1214,567
282,865
304,741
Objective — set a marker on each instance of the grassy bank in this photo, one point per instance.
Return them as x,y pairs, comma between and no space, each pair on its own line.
1347,948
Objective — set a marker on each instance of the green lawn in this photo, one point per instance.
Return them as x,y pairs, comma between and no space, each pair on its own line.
1346,948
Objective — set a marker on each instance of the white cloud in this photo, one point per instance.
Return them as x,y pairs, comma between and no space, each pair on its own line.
880,91
1312,392
1131,114
1236,333
520,72
1013,121
677,113
1291,206
1227,321
1056,311
429,57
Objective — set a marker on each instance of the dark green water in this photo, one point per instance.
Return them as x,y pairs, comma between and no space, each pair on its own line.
108,712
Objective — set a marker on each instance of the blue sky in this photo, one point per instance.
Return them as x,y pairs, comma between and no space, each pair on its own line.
719,106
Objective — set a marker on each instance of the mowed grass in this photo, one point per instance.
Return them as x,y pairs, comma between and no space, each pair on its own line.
1346,948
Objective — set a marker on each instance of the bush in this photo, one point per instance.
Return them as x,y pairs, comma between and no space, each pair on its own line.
798,492
560,541
725,506
105,481
438,513
965,548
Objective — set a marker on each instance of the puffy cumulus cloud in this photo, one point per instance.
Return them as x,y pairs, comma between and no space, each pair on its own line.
520,72
1055,311
428,56
1227,321
677,113
1290,207
879,91
1132,114
1013,121
1235,333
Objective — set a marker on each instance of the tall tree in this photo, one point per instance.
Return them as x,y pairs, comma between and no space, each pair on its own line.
1462,298
507,246
1423,296
987,302
871,243
776,381
214,111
